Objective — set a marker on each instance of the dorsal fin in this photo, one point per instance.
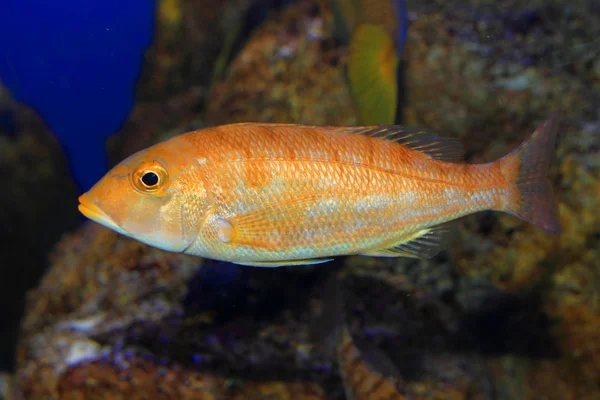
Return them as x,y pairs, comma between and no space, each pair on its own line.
423,140
419,139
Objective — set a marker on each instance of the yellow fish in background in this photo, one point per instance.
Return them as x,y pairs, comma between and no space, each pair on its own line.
376,31
282,194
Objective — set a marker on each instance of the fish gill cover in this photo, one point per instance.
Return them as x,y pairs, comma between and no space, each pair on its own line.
76,64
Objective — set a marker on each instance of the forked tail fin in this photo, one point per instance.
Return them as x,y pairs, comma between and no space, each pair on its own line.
526,167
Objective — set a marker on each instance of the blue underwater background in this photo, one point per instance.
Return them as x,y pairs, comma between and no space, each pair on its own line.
506,311
76,64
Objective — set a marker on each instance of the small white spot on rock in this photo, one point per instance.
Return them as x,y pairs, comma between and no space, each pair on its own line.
85,325
83,351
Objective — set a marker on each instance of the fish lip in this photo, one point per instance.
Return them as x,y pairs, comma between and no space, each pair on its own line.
95,213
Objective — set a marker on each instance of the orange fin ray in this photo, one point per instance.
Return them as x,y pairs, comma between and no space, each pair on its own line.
526,168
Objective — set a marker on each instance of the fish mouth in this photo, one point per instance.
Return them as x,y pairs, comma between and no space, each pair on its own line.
95,213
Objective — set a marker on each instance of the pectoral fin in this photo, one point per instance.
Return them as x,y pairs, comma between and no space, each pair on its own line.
270,226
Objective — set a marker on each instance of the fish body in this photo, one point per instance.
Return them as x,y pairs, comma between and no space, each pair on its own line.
281,194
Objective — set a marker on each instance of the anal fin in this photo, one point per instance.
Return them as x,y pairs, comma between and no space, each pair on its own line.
392,252
425,243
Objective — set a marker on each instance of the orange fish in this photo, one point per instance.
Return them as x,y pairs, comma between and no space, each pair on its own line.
279,194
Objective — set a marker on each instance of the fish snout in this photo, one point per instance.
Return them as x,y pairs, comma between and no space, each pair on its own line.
89,208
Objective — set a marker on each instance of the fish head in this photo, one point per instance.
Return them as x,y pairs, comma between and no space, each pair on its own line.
149,197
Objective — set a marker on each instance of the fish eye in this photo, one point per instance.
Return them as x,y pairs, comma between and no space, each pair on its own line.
149,177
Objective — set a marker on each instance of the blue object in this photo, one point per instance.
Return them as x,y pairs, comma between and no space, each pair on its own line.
402,17
76,63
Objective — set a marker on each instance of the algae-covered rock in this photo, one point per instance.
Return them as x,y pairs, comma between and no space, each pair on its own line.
289,71
100,284
114,316
145,379
189,35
